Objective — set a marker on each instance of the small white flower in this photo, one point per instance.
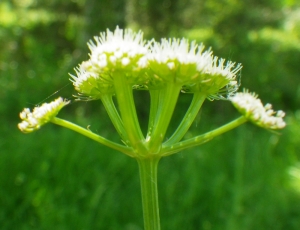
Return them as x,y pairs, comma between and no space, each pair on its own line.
125,61
40,115
252,108
171,65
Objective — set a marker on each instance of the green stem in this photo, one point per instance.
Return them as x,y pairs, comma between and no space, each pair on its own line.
198,140
154,102
188,119
164,114
148,177
128,112
126,150
114,116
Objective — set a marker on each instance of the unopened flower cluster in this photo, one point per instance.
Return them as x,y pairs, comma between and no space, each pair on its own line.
40,115
252,108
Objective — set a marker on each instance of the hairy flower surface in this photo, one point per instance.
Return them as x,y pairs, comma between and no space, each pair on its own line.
178,61
119,51
185,63
91,85
218,81
40,115
252,108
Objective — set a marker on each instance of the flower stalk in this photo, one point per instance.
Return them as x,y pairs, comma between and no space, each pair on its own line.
128,111
188,119
201,139
163,117
114,116
148,180
86,132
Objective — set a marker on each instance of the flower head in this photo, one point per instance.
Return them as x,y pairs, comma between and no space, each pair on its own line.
252,108
178,61
40,115
185,63
120,50
218,79
91,85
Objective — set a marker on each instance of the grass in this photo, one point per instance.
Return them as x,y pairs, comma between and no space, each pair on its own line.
56,179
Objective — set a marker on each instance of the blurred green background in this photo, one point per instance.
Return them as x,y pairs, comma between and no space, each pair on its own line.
246,179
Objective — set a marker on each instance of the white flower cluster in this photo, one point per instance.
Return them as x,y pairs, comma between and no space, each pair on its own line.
113,51
177,60
118,48
177,54
169,51
149,64
252,108
40,115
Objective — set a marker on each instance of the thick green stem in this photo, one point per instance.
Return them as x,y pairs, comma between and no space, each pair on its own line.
154,102
114,116
164,114
148,177
198,140
128,151
128,112
188,119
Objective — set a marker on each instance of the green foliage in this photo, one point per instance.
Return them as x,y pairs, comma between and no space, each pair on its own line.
58,179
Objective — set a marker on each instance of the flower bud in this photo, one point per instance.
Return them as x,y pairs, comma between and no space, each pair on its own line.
40,115
251,107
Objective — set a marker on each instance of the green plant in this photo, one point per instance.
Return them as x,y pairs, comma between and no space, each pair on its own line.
120,62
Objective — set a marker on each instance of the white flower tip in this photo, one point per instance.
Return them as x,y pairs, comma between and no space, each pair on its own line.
171,65
40,115
125,61
113,59
252,108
